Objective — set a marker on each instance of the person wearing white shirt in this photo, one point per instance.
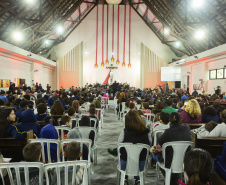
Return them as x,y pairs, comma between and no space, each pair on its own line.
218,131
162,124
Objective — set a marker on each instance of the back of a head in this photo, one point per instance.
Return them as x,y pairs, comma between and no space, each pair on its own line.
74,134
131,105
71,111
64,120
72,151
210,111
169,102
41,108
32,152
27,97
92,111
193,108
180,104
133,121
146,105
223,116
175,118
2,92
164,116
198,166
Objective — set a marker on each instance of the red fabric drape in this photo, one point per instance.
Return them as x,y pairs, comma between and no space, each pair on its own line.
108,76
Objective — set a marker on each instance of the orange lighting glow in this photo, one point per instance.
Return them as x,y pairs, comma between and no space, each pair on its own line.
107,62
123,64
112,59
129,65
96,66
102,64
117,62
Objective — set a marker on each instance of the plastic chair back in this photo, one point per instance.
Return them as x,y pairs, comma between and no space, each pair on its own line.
75,122
18,171
95,122
85,131
179,150
88,143
60,131
48,143
133,154
123,107
150,117
157,135
61,170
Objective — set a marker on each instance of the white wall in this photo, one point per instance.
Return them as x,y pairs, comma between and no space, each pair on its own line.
13,68
200,70
86,32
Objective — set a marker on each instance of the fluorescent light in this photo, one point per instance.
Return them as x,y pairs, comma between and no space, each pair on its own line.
178,44
166,31
17,35
60,29
197,3
200,34
47,42
29,1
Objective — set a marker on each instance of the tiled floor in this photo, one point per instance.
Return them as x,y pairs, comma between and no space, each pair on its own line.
105,171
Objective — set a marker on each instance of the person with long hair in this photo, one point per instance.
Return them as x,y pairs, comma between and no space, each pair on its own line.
57,108
75,105
7,128
192,113
135,132
197,167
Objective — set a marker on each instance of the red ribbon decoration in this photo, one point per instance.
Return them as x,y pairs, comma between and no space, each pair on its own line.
102,64
107,62
113,26
96,38
123,64
117,62
129,65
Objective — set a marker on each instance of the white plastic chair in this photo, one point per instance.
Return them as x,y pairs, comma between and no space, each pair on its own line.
14,169
99,114
179,150
60,131
115,105
132,165
122,111
48,142
150,117
157,135
88,143
85,131
61,169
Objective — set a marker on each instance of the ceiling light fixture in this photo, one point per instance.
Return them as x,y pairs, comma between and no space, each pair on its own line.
197,3
200,34
166,31
29,1
17,35
178,44
60,29
46,42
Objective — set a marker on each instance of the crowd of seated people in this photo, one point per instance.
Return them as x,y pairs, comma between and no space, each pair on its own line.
18,116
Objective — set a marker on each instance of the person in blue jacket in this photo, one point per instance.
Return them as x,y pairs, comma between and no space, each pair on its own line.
42,115
49,132
28,122
7,128
220,163
23,106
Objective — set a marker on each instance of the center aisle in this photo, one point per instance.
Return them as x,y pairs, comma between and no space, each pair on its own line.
105,171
